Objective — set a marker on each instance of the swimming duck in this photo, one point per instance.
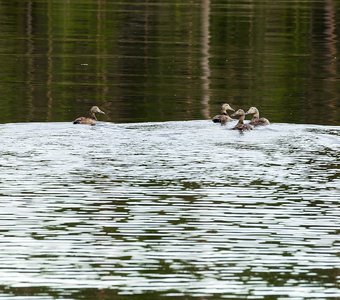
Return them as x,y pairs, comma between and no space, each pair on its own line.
91,120
223,117
256,120
240,114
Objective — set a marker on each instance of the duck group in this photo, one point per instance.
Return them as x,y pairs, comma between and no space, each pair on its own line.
222,118
240,114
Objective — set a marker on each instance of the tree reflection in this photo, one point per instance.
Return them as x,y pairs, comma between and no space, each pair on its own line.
151,61
205,44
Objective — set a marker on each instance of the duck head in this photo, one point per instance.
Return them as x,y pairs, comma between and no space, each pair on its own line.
96,110
238,113
252,111
226,107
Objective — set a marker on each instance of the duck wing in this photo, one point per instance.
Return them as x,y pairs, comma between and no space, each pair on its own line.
259,121
221,119
84,120
217,119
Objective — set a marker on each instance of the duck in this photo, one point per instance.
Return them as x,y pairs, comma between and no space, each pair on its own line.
241,126
223,118
91,120
256,120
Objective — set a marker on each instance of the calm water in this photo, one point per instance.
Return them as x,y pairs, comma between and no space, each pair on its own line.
174,60
156,201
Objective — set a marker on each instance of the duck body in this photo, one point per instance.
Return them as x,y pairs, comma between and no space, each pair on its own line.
241,126
259,121
223,118
84,120
256,120
92,119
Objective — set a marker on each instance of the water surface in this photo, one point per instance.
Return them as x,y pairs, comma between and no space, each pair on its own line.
177,209
175,60
156,201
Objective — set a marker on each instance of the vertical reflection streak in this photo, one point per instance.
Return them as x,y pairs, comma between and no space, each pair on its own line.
330,37
101,55
49,62
30,63
330,57
205,49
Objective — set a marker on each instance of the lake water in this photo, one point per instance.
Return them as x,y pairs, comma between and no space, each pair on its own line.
177,60
174,208
156,201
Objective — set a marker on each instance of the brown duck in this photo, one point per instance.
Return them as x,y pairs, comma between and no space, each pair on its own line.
256,120
91,119
223,117
240,115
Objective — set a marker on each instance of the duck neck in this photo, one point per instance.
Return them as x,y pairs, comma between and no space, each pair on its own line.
240,120
256,115
93,116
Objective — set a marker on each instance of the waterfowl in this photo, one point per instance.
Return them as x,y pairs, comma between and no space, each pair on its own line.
223,117
256,120
240,114
91,119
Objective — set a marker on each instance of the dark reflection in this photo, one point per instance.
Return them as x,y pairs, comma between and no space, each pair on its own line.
277,278
323,65
91,293
154,61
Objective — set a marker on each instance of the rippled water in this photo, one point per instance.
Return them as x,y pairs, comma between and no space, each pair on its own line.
169,209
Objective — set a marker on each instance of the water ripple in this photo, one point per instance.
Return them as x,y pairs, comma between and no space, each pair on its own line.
176,208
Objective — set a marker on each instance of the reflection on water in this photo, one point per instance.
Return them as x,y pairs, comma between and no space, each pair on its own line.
178,208
176,60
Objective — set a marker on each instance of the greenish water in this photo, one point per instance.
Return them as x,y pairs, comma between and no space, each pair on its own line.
156,201
175,60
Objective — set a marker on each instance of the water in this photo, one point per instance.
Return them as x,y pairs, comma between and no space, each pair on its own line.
156,201
173,209
176,60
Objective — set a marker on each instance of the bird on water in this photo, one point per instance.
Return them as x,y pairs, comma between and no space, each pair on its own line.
91,119
223,118
241,126
256,120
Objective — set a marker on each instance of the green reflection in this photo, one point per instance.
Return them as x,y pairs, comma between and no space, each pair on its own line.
155,61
